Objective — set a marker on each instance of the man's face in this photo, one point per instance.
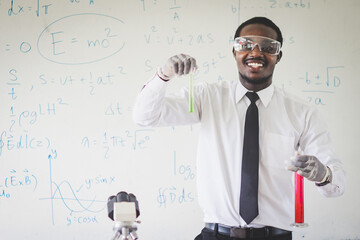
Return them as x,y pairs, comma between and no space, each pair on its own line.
255,67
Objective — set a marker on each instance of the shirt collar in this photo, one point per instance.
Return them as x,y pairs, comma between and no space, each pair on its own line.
264,95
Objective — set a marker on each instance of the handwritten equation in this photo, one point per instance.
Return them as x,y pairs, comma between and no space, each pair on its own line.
91,81
26,141
64,42
205,67
155,36
174,195
37,7
17,9
289,4
318,86
135,140
63,192
17,180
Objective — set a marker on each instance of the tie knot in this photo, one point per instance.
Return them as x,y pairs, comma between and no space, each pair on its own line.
252,96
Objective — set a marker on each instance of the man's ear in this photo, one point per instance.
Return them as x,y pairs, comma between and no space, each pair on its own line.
278,57
234,52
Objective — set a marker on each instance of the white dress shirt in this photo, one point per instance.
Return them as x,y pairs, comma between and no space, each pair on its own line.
285,123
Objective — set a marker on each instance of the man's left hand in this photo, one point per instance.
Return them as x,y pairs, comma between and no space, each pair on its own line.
307,166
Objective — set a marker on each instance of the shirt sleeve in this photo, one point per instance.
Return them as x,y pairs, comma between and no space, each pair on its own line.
154,108
316,141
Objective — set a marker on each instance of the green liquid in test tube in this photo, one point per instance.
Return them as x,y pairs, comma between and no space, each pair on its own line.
191,94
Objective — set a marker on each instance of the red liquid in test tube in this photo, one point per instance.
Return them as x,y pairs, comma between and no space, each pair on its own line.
299,201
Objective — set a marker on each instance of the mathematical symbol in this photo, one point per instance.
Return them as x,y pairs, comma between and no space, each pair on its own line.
12,94
21,9
13,83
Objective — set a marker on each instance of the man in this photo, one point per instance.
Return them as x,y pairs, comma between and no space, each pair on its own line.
240,202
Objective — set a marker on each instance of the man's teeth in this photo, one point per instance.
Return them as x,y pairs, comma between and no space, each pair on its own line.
255,64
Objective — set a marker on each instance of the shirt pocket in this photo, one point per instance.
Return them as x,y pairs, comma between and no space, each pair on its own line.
277,149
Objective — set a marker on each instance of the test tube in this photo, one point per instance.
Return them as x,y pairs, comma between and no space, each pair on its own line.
299,202
191,94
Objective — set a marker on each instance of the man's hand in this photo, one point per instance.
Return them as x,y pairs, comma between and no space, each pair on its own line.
177,65
307,166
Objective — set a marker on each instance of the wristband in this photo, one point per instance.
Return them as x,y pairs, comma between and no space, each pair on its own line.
161,75
327,179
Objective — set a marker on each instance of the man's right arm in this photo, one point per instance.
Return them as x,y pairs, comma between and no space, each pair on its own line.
150,103
147,108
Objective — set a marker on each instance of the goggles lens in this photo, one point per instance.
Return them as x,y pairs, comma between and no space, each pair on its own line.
248,43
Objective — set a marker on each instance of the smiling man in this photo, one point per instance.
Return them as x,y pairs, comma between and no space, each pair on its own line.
255,64
250,130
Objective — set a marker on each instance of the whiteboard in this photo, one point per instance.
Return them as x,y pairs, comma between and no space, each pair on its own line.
70,72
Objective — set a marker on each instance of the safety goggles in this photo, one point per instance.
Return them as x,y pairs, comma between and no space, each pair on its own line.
248,43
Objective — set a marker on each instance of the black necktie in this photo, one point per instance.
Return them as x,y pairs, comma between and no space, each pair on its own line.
250,162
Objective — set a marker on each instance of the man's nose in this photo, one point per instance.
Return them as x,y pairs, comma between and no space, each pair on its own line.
256,49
